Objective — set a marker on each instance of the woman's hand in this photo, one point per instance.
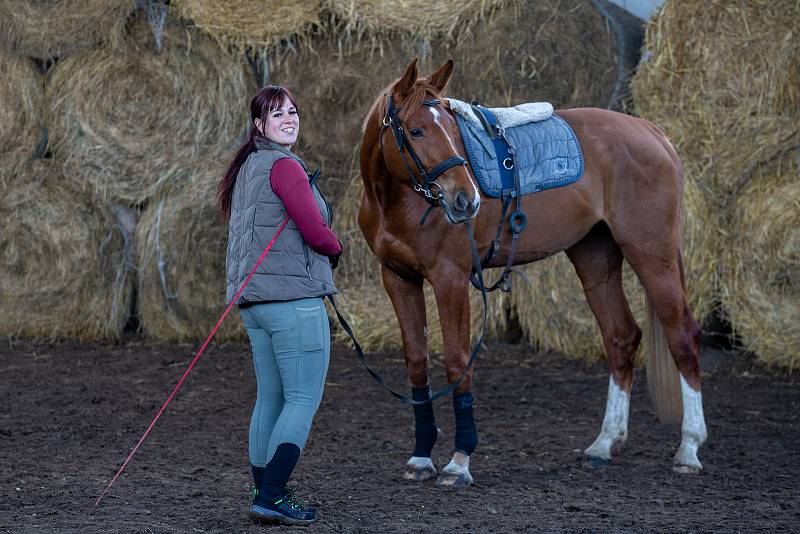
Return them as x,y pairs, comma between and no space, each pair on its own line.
334,260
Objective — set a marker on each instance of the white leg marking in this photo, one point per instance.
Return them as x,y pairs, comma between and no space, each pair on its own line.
419,468
420,462
693,431
459,463
456,473
615,423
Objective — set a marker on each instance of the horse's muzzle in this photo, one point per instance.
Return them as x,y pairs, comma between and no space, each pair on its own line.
461,208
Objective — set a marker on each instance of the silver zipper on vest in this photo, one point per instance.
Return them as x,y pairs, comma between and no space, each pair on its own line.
308,260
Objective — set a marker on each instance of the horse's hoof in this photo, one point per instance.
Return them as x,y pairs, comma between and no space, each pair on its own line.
684,469
454,480
419,468
419,474
593,462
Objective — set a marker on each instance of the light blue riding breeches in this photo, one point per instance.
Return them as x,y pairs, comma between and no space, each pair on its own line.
291,349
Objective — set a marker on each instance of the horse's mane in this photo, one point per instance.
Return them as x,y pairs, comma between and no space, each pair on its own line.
412,102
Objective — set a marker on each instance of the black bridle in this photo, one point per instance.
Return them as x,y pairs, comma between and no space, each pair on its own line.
392,121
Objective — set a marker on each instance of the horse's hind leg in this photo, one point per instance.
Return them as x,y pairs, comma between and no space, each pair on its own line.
409,306
661,273
598,262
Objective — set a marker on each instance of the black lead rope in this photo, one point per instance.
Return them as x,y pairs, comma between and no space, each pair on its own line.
476,265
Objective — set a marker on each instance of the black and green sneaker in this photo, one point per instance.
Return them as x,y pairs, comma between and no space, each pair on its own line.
286,510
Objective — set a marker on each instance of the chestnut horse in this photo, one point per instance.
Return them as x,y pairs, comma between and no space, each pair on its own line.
628,204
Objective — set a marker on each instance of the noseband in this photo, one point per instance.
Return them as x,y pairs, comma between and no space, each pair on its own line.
392,120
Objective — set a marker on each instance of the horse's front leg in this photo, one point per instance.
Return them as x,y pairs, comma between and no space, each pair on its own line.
452,299
408,300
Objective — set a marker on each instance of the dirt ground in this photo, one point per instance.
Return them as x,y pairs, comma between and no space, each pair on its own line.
71,412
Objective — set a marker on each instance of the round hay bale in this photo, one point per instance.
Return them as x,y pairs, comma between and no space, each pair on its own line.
48,28
413,17
251,23
762,296
723,81
120,118
181,247
21,88
64,262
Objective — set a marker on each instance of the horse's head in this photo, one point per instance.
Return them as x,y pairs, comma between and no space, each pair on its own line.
419,140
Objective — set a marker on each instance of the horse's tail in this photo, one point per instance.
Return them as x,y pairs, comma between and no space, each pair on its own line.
663,379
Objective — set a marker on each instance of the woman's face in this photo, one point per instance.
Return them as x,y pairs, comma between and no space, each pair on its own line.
281,125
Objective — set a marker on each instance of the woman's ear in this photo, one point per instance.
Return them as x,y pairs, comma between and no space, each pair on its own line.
259,126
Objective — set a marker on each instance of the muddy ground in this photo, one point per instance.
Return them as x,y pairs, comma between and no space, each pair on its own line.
71,412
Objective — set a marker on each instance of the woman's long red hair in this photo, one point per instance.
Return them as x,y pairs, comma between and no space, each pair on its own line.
265,101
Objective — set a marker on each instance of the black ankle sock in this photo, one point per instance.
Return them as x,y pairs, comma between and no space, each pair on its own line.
278,471
258,476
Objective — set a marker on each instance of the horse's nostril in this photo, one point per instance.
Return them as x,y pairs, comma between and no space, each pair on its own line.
473,208
462,202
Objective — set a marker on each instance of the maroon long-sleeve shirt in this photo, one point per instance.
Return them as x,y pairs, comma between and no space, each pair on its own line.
290,182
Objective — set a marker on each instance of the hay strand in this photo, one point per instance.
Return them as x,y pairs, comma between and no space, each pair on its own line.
416,18
762,295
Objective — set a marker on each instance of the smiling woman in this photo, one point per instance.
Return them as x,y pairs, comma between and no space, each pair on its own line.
281,124
267,197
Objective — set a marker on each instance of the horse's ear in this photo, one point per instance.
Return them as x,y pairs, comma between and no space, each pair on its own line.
440,78
408,80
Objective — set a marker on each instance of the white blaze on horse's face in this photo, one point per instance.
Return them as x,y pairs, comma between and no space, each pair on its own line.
464,198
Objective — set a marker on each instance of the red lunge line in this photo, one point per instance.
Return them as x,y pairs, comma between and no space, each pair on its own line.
177,387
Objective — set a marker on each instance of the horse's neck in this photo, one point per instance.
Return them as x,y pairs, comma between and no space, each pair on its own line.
380,188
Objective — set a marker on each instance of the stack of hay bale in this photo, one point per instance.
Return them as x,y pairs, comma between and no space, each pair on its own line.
63,261
130,125
138,131
118,118
723,80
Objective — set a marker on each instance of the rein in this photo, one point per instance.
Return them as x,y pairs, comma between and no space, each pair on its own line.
478,274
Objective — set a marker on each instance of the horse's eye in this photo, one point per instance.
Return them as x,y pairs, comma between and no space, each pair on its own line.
415,132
